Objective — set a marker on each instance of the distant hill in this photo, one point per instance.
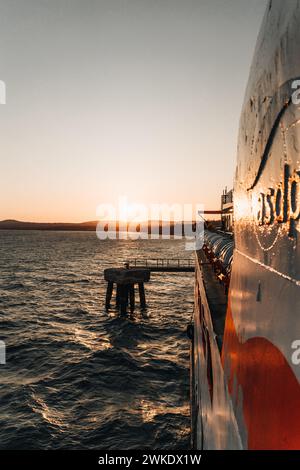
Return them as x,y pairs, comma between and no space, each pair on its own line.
17,225
83,226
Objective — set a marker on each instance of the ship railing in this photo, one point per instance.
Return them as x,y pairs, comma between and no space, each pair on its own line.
162,262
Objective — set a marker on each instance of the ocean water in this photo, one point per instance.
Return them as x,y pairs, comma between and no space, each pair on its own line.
76,376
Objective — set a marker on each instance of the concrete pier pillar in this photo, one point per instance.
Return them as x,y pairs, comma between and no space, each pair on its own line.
131,296
118,296
125,279
123,298
142,295
109,291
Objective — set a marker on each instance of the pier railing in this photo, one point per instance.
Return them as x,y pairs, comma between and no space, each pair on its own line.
163,264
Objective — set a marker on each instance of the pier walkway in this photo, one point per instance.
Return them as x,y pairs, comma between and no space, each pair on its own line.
165,265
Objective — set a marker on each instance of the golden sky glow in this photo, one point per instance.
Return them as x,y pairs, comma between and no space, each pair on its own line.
120,97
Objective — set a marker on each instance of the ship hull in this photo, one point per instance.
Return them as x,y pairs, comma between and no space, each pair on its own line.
250,398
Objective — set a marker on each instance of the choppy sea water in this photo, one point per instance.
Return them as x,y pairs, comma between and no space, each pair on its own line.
78,377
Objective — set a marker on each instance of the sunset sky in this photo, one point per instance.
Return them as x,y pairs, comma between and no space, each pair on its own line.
107,98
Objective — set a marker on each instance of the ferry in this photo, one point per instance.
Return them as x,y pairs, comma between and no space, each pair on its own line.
245,359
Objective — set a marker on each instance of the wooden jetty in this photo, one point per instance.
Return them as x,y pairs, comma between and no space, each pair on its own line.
137,272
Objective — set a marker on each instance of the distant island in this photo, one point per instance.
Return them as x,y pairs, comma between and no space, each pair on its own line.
17,225
83,226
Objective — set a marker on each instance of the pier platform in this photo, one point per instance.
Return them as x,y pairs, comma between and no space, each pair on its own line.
137,271
164,265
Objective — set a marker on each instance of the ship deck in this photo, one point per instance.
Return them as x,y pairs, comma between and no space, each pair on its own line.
216,297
